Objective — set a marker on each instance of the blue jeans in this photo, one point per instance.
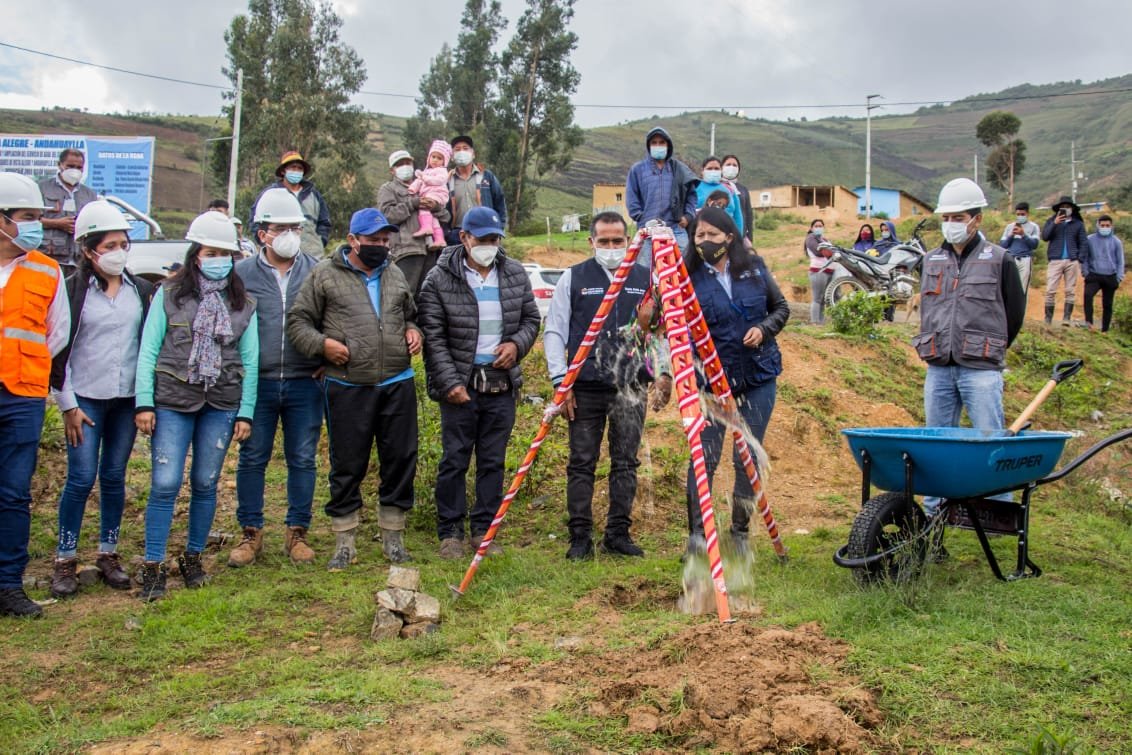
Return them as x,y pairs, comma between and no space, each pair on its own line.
296,402
209,431
755,407
644,257
103,454
21,422
948,390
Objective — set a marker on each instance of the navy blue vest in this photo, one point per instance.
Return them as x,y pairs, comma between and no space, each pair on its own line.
730,319
612,361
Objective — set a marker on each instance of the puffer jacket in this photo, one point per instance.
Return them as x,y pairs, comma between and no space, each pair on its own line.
449,317
334,303
400,208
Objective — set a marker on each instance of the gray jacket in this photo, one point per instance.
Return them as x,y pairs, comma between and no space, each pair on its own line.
450,319
57,244
278,357
400,208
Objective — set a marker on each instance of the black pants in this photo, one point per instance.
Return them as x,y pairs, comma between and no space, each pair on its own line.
1107,285
356,417
625,411
483,426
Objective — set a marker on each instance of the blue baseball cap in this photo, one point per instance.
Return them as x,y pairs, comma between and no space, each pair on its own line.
482,222
368,222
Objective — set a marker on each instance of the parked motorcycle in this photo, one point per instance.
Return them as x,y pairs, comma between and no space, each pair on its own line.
894,273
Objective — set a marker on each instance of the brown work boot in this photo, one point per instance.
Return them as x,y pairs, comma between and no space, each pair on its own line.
452,548
111,572
64,577
245,553
295,546
492,550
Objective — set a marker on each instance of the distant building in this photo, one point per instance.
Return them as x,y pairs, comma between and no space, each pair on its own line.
800,196
894,203
610,198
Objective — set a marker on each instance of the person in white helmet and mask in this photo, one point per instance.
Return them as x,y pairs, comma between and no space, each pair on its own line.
92,381
288,391
65,195
971,308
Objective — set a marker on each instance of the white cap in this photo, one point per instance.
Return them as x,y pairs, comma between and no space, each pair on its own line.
398,156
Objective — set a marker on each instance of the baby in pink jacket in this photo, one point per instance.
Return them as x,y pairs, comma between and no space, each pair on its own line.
432,183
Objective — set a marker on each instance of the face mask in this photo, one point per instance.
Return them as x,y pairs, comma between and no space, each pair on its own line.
712,176
712,251
610,259
29,234
373,256
885,234
286,244
955,233
294,176
483,255
730,172
403,172
1105,231
216,268
1021,219
659,152
71,176
866,235
112,263
818,231
463,157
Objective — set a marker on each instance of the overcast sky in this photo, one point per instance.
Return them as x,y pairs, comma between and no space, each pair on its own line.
662,55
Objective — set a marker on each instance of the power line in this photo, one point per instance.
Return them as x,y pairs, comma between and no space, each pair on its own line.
117,70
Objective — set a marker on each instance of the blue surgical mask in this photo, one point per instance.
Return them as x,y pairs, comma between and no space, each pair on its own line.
29,234
1021,219
216,268
659,152
1105,231
818,230
294,176
713,176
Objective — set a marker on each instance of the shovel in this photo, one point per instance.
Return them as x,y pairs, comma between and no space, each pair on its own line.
1061,371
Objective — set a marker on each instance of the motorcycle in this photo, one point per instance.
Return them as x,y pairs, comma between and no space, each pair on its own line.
894,273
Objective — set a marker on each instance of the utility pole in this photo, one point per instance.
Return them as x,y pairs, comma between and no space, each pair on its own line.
1073,174
976,167
711,150
869,107
235,143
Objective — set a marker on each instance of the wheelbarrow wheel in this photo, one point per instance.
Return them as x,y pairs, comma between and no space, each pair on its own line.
888,524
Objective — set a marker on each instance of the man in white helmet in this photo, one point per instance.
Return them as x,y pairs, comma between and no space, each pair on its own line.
288,391
35,321
64,195
971,307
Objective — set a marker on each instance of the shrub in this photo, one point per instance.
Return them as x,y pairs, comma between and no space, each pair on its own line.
1122,315
858,314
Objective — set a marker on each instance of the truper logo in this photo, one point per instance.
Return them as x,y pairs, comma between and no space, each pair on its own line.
1018,462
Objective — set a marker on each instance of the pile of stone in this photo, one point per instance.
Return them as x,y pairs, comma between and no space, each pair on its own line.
402,609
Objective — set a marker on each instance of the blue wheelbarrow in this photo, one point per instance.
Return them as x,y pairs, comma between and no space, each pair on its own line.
892,537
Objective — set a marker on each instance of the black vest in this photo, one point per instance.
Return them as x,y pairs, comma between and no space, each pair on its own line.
614,360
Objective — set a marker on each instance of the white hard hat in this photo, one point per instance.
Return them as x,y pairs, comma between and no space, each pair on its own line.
960,195
18,192
99,216
214,229
278,206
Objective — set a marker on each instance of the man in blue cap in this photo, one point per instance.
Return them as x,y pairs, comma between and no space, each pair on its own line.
480,319
355,311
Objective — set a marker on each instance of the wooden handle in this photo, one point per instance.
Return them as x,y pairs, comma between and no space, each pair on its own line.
1024,417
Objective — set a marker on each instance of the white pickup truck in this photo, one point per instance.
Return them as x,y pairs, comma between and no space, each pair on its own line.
150,258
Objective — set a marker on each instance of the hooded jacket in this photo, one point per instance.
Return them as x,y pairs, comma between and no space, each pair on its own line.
883,243
1105,256
644,178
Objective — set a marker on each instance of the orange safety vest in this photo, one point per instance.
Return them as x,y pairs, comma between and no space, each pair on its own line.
25,361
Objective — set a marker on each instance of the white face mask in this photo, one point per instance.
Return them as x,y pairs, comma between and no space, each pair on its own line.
730,172
955,232
610,259
483,255
403,172
818,230
463,157
712,176
71,176
1021,219
112,263
286,245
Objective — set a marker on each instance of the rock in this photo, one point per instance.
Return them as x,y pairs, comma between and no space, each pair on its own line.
568,643
386,625
87,576
409,631
397,600
643,720
218,539
32,583
404,578
424,609
133,623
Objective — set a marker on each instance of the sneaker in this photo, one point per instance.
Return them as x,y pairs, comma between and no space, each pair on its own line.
492,550
581,548
393,546
452,549
110,571
15,602
65,578
620,545
295,546
192,570
153,581
249,547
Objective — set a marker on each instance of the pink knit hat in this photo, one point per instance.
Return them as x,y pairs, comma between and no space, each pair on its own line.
443,148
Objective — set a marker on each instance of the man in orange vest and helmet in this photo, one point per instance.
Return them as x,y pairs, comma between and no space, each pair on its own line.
35,322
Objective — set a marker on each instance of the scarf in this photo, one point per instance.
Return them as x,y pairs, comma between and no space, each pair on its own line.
212,328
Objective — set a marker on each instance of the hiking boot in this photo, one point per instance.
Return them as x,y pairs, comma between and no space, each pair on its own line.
110,571
393,546
452,549
345,552
153,581
15,602
65,578
295,546
697,546
581,548
492,550
620,545
192,570
249,547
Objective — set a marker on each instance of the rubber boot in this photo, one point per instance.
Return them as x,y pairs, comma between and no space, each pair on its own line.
1049,314
345,529
391,520
1067,314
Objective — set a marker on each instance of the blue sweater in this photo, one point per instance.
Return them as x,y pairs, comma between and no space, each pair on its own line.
734,208
1105,257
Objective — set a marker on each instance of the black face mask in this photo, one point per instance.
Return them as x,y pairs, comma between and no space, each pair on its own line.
373,256
712,251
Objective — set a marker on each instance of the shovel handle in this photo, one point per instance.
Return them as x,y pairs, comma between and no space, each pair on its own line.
1061,371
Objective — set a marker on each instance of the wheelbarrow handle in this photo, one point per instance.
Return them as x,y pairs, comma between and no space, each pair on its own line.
1061,371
